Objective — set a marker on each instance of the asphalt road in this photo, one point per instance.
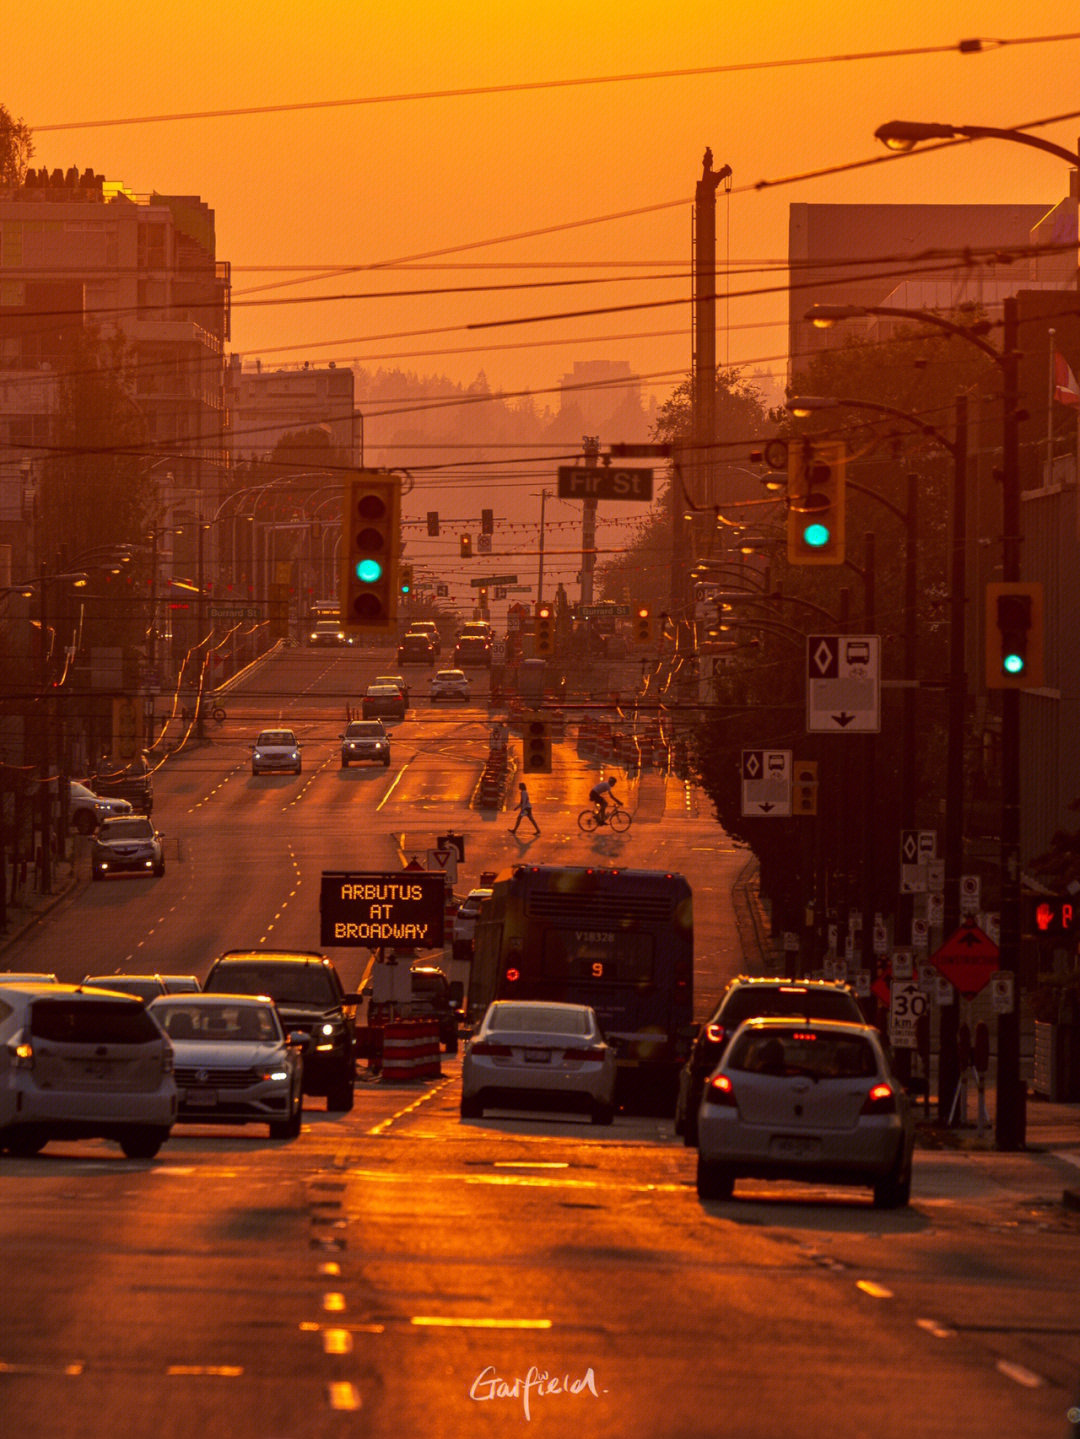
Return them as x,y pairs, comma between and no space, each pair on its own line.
398,1271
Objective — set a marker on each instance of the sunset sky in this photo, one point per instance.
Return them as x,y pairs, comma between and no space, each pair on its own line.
485,189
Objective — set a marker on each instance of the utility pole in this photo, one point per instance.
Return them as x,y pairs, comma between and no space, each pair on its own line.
591,445
705,322
46,799
540,569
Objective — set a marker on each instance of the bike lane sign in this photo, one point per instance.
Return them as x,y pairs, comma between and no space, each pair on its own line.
766,782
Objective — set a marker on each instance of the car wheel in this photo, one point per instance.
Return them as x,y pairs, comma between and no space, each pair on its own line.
289,1128
143,1141
96,874
344,764
159,869
894,1191
340,1095
713,1180
603,1114
84,822
24,1142
451,1044
680,1119
471,1108
386,764
254,770
297,770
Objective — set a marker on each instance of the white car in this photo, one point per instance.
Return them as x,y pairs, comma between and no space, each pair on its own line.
88,809
450,685
812,1100
82,1064
274,750
234,1063
127,844
465,922
529,1054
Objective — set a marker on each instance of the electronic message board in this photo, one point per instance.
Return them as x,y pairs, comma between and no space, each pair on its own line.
395,909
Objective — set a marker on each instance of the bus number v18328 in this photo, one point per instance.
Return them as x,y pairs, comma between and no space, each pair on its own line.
621,940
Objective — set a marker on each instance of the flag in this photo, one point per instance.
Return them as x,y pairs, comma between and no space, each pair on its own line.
1066,388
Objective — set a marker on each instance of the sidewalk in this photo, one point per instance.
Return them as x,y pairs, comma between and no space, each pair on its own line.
32,905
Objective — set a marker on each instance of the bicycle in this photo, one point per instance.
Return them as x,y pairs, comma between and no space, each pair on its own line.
617,819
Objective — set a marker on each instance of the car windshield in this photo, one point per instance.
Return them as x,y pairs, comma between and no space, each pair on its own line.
128,829
519,1019
750,1002
148,988
86,1020
276,736
395,680
379,692
451,676
804,1052
365,729
284,983
219,1023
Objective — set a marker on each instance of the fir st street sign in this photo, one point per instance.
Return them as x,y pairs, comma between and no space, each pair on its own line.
843,684
594,482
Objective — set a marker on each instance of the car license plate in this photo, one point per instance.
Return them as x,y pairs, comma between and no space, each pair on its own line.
537,1056
794,1146
201,1098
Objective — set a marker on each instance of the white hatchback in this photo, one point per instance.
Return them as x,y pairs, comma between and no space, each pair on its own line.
78,1063
450,685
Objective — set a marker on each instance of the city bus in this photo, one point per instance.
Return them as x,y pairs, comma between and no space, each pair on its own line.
621,940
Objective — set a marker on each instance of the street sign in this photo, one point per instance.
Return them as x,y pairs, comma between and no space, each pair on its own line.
907,1006
843,684
483,544
593,482
491,580
1001,992
599,612
399,908
970,894
662,449
443,861
766,782
968,959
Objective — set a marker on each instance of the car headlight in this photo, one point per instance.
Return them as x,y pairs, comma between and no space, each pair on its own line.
278,1074
329,1028
257,755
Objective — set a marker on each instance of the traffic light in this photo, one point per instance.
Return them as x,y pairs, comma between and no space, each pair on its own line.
1014,636
544,630
466,547
815,498
433,522
370,547
535,744
406,579
487,522
804,786
642,625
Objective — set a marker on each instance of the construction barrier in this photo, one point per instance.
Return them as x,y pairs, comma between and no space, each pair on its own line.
410,1050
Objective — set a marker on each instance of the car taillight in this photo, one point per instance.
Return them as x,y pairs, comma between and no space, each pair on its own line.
586,1056
24,1055
513,975
714,1033
167,1061
719,1091
492,1051
880,1100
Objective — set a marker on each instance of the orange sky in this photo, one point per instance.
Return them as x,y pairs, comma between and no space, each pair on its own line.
362,185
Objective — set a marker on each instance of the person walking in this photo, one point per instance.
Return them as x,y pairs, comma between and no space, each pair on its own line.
524,810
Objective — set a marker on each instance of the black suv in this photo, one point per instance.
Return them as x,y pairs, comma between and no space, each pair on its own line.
748,997
309,996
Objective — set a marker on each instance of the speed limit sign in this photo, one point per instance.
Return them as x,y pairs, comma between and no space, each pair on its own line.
907,1007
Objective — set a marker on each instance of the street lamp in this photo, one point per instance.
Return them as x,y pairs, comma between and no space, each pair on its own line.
1010,1120
904,135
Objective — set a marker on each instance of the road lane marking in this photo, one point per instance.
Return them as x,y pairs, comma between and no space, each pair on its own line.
333,1303
430,1094
337,1341
939,1331
212,1371
343,1396
536,1181
331,1268
69,1369
875,1291
1019,1373
434,1321
530,1164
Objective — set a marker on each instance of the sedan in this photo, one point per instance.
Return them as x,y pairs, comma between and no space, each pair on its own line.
383,700
365,740
528,1054
143,986
88,809
127,845
415,650
807,1100
234,1063
472,650
450,685
398,680
276,749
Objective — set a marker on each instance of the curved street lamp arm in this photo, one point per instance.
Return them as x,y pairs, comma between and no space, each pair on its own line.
904,134
855,312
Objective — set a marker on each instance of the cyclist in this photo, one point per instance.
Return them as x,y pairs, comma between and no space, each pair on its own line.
599,796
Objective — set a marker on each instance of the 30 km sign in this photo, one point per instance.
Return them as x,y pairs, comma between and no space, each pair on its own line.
907,1006
396,908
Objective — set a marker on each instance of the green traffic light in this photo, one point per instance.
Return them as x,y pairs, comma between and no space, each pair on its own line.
1013,664
816,536
369,571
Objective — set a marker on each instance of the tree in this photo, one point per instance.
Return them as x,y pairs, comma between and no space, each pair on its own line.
16,147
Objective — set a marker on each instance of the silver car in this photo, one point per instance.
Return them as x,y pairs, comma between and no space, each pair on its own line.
275,750
365,740
811,1100
528,1054
450,685
88,809
128,844
79,1063
234,1063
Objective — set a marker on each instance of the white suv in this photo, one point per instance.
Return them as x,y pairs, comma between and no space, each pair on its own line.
450,685
275,749
82,1064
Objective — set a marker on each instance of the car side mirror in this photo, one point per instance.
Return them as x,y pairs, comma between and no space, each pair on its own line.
297,1039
